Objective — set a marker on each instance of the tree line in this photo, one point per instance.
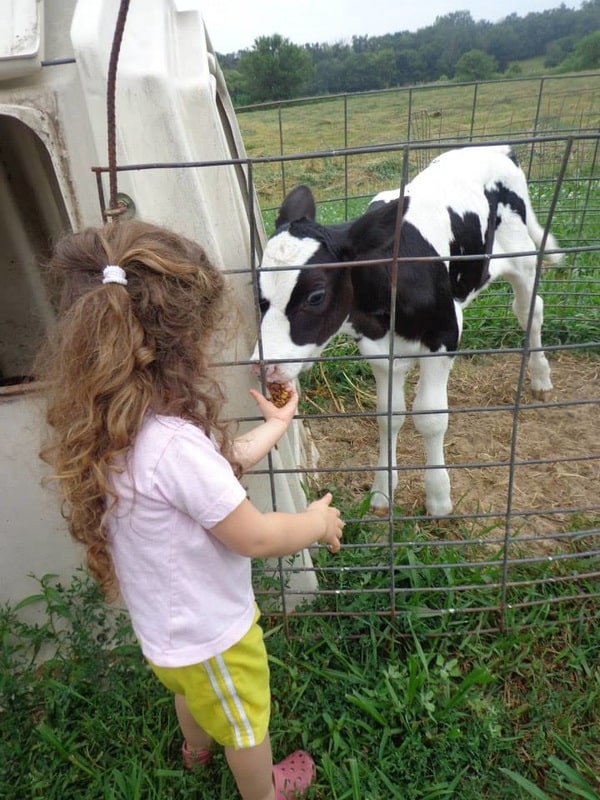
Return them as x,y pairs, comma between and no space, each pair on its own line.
454,47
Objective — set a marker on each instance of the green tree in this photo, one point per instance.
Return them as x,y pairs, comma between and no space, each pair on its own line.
452,35
364,71
275,69
514,70
586,54
236,87
557,52
475,65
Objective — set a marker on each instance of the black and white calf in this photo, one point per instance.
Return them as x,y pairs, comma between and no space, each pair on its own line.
467,202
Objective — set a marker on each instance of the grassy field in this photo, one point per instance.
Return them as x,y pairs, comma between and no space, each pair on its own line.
354,144
386,712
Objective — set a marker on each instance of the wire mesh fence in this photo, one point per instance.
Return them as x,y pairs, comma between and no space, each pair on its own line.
524,533
524,536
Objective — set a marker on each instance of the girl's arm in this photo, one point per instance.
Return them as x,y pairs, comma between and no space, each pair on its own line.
251,533
254,445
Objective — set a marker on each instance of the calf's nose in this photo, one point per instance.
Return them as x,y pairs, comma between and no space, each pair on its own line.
270,371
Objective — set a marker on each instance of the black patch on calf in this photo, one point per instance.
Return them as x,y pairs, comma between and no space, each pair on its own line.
501,195
467,276
330,238
263,303
467,240
374,232
513,157
319,304
424,306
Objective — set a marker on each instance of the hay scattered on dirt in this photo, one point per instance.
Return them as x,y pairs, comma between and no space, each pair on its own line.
557,494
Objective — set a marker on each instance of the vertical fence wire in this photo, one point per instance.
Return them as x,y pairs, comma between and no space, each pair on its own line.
391,354
521,386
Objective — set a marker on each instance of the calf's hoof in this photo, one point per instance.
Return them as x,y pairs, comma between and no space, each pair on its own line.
542,395
380,504
438,508
380,511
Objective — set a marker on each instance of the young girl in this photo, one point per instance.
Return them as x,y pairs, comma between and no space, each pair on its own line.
148,474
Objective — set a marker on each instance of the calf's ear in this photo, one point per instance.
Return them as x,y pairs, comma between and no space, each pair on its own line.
299,203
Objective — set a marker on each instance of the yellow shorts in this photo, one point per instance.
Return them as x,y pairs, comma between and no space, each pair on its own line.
228,695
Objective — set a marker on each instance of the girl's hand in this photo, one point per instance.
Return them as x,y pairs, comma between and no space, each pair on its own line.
332,518
270,411
254,445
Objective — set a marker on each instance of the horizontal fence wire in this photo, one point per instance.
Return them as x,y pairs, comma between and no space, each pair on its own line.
522,545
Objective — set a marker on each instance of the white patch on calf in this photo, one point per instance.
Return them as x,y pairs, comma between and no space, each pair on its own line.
283,250
387,196
277,345
276,285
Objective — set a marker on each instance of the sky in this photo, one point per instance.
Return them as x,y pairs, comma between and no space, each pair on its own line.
233,25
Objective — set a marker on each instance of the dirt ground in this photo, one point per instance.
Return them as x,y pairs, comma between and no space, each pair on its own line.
557,479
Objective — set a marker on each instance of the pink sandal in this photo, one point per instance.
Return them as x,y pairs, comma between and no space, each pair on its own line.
293,775
194,758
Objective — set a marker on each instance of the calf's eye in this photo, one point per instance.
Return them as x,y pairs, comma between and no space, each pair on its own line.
315,298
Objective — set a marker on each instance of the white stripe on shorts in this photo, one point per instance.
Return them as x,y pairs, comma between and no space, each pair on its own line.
232,697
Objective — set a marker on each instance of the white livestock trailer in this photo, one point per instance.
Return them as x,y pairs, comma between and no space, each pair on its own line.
171,108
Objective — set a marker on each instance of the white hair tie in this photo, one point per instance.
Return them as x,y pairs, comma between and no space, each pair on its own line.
114,274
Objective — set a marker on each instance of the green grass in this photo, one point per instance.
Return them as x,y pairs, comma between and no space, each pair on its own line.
387,711
432,116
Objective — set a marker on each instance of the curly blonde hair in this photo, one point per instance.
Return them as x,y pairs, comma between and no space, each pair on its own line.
117,352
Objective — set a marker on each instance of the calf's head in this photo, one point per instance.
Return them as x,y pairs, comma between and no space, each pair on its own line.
303,304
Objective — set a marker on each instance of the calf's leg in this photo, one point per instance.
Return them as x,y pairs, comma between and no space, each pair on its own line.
432,396
386,476
539,368
520,272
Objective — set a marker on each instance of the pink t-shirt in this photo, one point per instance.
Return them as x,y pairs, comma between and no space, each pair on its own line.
189,597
